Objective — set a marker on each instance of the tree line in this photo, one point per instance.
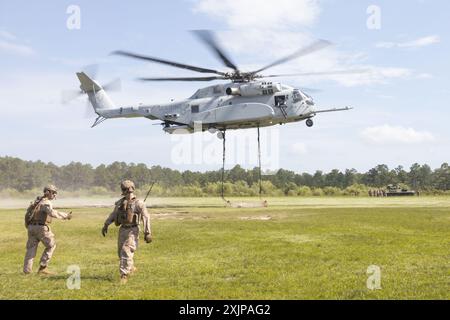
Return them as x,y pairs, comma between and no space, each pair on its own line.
21,175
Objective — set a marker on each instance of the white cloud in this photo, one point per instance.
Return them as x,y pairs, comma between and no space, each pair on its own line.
264,14
16,49
387,134
9,45
424,76
421,42
6,35
266,33
374,74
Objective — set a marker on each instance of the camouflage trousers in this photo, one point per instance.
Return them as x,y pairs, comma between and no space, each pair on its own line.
36,234
127,245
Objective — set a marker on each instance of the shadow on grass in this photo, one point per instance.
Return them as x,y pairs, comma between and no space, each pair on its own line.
65,277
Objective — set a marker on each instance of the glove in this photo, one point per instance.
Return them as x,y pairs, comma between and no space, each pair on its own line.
104,230
148,238
69,216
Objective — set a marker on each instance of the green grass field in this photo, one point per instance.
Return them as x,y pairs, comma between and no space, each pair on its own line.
297,248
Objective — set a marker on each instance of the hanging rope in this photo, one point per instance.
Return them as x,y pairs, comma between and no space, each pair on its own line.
223,164
242,204
259,165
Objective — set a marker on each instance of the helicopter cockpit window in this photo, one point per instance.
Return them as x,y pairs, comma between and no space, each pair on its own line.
296,95
195,95
201,93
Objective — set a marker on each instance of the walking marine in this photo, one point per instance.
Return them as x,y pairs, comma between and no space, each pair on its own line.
37,219
128,213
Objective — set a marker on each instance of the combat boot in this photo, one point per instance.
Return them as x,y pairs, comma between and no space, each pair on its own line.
123,279
44,271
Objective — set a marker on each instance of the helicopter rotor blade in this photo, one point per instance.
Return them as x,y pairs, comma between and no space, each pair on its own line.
69,95
311,90
184,79
91,70
166,62
324,73
208,38
316,46
114,85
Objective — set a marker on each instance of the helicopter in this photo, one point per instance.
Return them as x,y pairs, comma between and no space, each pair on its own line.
247,100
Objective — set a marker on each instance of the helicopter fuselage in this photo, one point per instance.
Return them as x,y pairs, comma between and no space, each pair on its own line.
226,106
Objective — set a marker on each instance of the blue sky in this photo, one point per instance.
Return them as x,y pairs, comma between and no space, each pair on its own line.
401,107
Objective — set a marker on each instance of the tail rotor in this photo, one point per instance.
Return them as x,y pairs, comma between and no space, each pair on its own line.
97,97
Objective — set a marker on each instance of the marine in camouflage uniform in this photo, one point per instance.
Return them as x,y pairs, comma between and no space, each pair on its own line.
39,230
128,213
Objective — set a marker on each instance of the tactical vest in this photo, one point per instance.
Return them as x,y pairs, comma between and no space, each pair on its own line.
31,211
126,212
40,216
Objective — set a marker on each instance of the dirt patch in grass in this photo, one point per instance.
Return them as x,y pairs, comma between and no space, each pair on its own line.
264,218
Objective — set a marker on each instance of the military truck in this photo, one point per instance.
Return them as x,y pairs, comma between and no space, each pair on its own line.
394,190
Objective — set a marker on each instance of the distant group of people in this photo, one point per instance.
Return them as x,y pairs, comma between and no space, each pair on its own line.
377,193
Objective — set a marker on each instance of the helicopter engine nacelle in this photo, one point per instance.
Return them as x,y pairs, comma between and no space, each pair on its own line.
254,89
233,91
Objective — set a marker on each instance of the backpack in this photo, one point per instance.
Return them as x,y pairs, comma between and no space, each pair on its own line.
125,212
31,211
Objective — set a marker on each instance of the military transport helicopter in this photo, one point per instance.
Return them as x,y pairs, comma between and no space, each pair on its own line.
248,100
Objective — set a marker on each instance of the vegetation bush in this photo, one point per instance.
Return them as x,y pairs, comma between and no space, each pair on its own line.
19,178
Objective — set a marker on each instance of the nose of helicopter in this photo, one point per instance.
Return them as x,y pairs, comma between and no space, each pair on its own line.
309,101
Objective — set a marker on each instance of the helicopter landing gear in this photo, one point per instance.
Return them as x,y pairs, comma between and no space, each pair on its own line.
309,123
212,130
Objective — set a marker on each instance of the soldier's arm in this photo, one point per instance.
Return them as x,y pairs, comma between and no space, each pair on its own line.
112,217
48,209
145,217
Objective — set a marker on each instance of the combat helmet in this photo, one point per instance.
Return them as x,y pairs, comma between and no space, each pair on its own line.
50,187
127,186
